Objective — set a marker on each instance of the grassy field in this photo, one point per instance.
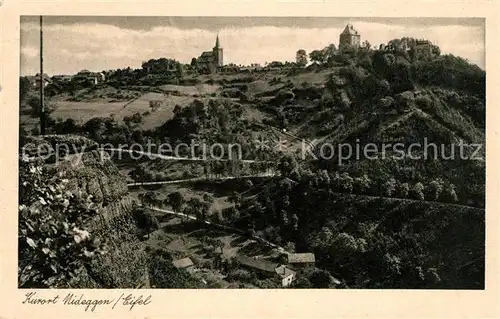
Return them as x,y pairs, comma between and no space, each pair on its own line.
81,112
220,201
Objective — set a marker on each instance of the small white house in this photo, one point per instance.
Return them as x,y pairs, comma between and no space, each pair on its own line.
287,275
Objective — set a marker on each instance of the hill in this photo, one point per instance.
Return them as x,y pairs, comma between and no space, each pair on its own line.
371,241
79,227
388,218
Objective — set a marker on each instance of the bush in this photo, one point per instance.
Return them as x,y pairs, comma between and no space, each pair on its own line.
386,102
405,99
240,275
424,102
53,243
162,274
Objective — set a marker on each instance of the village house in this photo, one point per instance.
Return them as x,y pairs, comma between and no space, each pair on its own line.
35,80
300,260
286,275
184,263
279,273
61,78
229,68
160,66
252,67
92,77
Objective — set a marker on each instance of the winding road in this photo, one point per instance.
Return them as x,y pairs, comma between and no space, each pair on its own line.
176,158
198,179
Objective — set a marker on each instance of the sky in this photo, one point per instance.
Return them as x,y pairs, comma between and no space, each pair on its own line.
96,43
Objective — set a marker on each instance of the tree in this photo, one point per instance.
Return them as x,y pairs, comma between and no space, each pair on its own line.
321,279
218,243
290,247
318,56
24,88
284,218
418,191
148,198
146,221
329,52
366,45
230,214
195,207
404,189
235,198
301,58
450,194
302,282
362,184
287,164
179,71
295,222
34,103
206,204
194,63
176,200
248,183
346,182
435,189
95,127
163,274
390,187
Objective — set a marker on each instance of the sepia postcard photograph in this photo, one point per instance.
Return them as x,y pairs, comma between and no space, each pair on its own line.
259,152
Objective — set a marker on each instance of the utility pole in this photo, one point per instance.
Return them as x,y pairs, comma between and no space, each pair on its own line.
42,82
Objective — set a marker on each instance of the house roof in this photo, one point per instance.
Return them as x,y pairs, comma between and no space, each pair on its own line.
257,263
45,77
284,272
301,258
422,42
349,29
183,263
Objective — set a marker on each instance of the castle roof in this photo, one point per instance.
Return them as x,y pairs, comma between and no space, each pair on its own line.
349,30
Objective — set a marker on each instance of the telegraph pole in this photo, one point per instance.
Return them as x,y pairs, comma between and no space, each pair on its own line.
42,82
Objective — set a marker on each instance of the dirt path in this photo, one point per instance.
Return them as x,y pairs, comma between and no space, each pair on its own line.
197,179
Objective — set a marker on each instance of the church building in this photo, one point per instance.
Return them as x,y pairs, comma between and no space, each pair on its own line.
349,37
210,61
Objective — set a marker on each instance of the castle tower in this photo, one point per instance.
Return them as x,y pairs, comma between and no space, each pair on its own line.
349,37
218,53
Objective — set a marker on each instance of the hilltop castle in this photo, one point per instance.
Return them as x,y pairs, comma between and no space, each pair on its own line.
349,37
209,61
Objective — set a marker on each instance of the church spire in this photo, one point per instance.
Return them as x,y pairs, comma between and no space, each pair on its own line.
217,41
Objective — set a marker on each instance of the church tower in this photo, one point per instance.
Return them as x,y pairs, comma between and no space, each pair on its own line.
218,53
